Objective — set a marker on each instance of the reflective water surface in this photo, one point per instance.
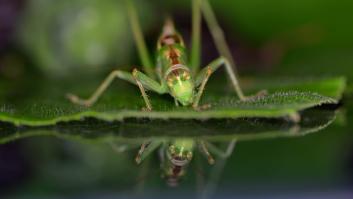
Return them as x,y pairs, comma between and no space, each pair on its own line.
184,153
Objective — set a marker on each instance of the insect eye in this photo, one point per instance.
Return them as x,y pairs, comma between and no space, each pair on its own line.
170,81
185,76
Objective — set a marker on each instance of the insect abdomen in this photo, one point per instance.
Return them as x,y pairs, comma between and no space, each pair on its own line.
169,56
171,49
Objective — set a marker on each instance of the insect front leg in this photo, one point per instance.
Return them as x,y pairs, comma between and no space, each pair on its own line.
146,148
100,90
204,75
143,81
204,150
201,89
217,169
208,149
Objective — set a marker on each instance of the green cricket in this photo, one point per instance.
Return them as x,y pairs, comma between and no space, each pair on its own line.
176,154
174,74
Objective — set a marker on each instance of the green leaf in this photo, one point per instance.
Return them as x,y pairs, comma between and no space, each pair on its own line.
42,102
134,131
330,87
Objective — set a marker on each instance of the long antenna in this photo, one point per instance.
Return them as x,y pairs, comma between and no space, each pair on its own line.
138,37
220,41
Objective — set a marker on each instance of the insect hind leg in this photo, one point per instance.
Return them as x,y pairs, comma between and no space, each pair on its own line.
137,78
222,47
101,89
217,63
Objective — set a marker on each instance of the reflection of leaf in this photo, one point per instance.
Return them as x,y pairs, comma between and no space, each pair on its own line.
135,130
42,103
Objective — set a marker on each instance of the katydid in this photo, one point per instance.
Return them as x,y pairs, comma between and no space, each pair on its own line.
176,154
173,74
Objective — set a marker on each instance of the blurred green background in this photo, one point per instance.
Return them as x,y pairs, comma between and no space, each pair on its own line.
269,39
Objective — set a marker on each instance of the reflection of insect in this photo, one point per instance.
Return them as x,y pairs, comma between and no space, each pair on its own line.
176,154
184,81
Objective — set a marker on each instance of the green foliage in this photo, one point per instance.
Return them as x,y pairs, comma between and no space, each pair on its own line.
42,102
134,131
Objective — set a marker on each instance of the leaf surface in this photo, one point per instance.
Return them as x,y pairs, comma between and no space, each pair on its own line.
42,102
